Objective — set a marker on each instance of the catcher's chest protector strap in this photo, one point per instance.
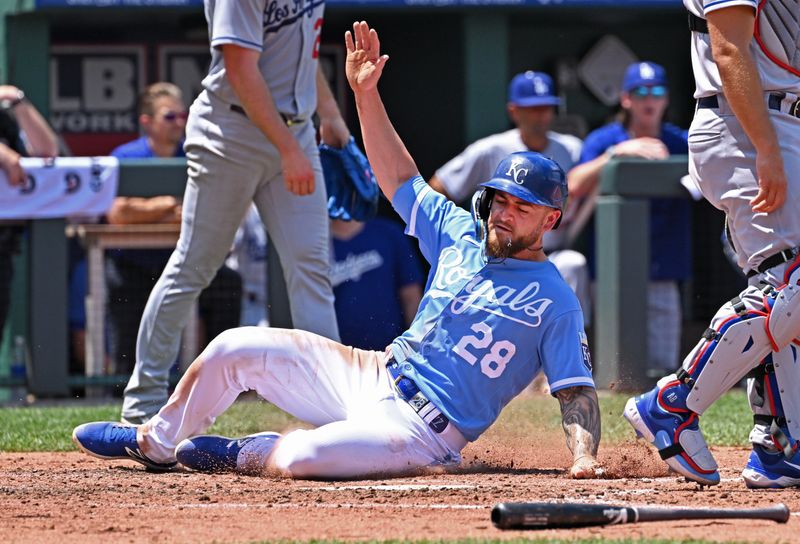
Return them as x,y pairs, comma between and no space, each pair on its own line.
777,31
745,330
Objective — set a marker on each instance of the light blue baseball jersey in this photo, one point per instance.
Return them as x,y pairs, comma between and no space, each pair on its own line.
483,330
285,32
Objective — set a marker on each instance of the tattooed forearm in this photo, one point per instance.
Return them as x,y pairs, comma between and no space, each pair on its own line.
580,417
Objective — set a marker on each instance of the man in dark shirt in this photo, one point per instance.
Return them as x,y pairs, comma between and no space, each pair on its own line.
23,132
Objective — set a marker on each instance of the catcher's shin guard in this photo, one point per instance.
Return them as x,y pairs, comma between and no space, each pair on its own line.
774,385
660,416
773,393
744,331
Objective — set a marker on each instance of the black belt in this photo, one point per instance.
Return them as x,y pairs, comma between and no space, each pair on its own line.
410,393
773,103
290,121
783,256
697,24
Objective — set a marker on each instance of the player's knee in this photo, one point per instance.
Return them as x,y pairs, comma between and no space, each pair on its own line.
231,350
296,456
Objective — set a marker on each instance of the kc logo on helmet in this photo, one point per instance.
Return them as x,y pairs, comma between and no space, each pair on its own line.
517,172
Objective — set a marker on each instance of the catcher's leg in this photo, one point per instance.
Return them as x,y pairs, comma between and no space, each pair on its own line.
743,332
774,394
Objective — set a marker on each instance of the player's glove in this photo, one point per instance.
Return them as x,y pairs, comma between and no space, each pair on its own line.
351,185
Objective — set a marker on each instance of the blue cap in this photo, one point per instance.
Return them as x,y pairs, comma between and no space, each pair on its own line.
532,89
643,73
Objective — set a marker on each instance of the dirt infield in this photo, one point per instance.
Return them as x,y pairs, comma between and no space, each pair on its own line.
69,497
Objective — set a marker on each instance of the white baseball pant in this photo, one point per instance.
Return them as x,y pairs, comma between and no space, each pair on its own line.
363,427
722,161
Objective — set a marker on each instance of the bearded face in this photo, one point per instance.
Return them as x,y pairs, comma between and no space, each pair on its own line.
502,244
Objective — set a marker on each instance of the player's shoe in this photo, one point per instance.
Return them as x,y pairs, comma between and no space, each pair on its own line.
661,417
112,440
209,453
765,469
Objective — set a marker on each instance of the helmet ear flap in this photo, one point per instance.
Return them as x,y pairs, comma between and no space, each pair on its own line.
485,203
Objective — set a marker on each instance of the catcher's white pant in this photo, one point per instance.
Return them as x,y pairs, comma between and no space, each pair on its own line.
722,161
363,428
231,165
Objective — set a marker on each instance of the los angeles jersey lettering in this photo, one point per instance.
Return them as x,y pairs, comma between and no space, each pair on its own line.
483,330
286,34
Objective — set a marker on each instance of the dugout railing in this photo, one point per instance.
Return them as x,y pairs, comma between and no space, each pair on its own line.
620,319
623,257
47,297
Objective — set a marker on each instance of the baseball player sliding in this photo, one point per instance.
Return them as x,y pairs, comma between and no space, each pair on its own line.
496,312
744,152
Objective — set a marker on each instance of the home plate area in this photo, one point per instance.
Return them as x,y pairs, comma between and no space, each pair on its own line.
70,497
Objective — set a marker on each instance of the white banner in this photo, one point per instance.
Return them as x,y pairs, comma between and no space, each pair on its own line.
61,187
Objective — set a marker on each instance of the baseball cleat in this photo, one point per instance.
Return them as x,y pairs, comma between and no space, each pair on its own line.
111,440
209,453
676,435
766,469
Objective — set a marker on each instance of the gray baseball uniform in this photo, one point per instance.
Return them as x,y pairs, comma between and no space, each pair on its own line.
231,163
722,160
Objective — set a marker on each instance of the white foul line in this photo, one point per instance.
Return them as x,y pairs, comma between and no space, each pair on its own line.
386,487
290,505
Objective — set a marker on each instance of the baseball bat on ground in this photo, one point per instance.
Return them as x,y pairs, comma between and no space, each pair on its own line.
547,515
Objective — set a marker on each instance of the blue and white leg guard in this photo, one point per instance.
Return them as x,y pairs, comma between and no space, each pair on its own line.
774,387
742,333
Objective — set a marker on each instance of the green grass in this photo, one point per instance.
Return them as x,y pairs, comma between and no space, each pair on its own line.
50,428
727,423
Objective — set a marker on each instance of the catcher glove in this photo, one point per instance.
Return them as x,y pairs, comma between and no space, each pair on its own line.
351,185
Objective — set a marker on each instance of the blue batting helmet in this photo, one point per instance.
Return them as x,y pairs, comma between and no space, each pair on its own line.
529,176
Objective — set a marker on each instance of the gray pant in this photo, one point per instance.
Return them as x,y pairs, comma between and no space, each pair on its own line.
723,162
230,165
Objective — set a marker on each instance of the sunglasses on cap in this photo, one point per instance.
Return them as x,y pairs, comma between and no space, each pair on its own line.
172,116
656,91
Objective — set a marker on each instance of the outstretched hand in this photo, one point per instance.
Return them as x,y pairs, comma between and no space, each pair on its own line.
365,63
586,468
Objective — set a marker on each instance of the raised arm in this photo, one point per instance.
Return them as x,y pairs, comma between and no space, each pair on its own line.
731,33
388,156
580,417
41,141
